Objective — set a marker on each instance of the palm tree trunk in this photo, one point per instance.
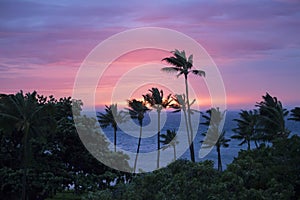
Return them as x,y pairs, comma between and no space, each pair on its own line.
189,120
174,152
24,177
187,130
138,148
219,159
25,164
248,144
158,138
115,138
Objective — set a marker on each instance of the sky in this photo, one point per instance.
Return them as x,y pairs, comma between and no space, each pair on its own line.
255,44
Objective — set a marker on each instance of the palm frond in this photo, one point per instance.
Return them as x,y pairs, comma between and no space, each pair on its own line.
180,73
180,55
170,69
194,100
170,138
174,61
199,72
190,60
295,113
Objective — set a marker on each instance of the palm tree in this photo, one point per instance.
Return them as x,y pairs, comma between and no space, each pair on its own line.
214,135
183,65
246,127
137,110
157,101
112,117
272,118
295,114
23,114
170,139
180,105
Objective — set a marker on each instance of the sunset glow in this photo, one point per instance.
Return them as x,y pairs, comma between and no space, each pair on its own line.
255,45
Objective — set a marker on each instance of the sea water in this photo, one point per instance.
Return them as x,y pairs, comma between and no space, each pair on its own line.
128,134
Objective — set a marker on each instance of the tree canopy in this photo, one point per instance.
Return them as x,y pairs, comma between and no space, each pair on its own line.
42,129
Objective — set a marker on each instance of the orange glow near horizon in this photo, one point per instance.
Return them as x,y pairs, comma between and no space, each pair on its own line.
256,50
130,76
133,74
204,103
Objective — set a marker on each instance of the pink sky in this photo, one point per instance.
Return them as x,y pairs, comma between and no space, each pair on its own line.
255,44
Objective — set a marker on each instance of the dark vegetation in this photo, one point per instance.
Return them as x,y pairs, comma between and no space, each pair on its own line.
41,152
262,173
270,170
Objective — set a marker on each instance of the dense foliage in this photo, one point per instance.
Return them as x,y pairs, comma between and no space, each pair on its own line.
50,155
42,155
263,173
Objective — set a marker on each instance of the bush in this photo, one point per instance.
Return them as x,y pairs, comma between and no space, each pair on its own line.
263,173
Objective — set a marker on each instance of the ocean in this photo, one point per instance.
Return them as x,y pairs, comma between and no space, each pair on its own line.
127,138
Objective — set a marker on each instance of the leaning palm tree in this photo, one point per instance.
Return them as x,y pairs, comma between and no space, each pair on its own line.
246,127
180,104
272,118
157,101
24,114
183,66
214,135
295,113
112,117
170,139
137,110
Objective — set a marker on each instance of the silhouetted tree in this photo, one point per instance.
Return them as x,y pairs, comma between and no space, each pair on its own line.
215,136
137,110
23,114
246,127
183,66
112,117
295,113
180,104
272,118
170,139
157,101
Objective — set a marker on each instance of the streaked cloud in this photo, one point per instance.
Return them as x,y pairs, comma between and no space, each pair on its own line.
254,43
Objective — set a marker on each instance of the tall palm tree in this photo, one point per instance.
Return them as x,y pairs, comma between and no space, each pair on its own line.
23,114
112,117
183,66
246,127
180,104
157,101
214,135
137,110
295,114
272,118
170,139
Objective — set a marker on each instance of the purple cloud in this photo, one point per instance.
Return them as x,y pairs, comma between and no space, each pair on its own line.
39,36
